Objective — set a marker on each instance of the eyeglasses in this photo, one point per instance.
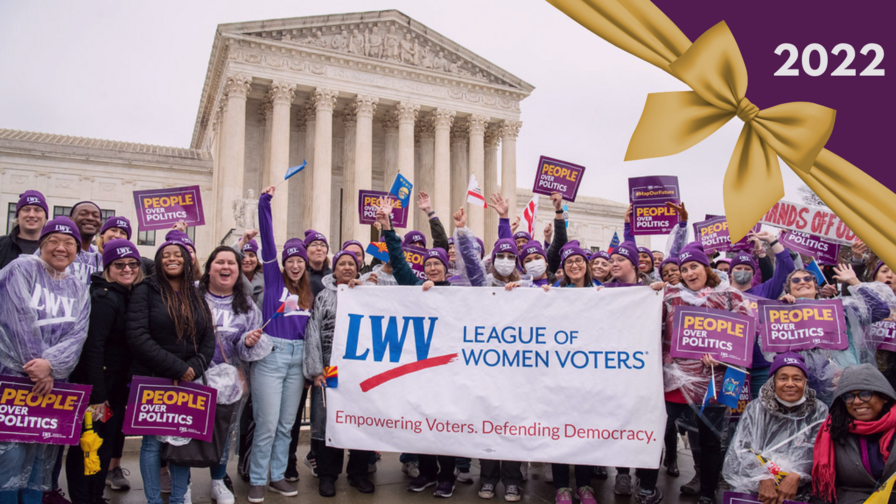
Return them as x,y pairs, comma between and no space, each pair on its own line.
317,245
68,244
578,261
864,395
128,265
807,279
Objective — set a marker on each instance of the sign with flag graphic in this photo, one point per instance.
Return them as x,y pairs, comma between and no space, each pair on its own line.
529,213
613,243
474,193
813,268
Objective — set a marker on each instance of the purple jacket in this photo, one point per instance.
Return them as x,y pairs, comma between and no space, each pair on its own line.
290,326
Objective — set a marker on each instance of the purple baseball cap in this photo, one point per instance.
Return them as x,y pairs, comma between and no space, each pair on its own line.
788,359
313,236
349,253
437,253
121,223
62,225
629,251
118,248
32,197
693,252
415,238
293,247
505,245
533,247
252,246
743,258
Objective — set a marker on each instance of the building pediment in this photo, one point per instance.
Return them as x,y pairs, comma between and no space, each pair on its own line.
387,37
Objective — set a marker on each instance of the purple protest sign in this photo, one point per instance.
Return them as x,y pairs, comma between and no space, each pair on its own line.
824,252
369,201
883,333
555,175
742,498
156,407
648,196
713,235
727,336
416,257
52,419
801,326
162,208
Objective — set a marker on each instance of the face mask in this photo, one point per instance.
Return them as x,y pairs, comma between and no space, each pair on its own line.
791,404
505,267
536,268
742,277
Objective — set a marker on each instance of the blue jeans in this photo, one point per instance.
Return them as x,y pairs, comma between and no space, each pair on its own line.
25,471
276,382
219,470
150,464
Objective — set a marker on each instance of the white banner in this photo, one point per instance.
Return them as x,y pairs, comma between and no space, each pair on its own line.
816,221
566,376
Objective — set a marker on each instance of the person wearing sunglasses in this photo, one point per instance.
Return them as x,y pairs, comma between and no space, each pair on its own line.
781,427
105,363
43,325
862,309
854,448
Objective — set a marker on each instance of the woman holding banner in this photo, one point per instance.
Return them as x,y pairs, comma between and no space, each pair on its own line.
40,342
277,380
239,341
624,267
171,335
105,363
864,307
853,453
600,268
316,361
687,380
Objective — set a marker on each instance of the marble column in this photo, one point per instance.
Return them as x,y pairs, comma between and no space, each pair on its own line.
509,131
281,98
441,198
306,176
460,173
490,182
425,176
407,115
296,154
266,118
232,162
349,223
322,169
476,160
364,107
390,148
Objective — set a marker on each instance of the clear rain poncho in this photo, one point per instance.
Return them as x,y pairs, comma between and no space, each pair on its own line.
471,269
688,379
784,436
867,304
44,315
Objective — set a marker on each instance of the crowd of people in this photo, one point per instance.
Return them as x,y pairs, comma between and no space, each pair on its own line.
82,306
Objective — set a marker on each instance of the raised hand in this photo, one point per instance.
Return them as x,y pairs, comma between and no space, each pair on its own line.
557,201
180,226
682,213
846,274
423,202
384,214
859,249
549,231
628,214
515,224
501,205
460,218
269,190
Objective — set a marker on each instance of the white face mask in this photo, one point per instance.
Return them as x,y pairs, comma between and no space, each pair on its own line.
791,404
505,267
536,268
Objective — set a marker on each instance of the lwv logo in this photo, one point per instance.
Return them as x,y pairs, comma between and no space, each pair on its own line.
387,342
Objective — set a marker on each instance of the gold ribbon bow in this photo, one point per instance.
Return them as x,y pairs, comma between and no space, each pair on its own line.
674,122
714,69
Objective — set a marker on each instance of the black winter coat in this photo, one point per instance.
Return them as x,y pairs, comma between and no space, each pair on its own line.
153,340
106,359
9,248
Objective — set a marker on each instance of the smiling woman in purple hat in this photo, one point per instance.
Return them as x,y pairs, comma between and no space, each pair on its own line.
43,324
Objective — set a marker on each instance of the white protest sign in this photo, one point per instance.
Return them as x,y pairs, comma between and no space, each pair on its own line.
817,221
566,376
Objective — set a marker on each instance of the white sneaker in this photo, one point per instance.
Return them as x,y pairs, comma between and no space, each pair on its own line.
524,469
546,473
188,497
412,469
220,493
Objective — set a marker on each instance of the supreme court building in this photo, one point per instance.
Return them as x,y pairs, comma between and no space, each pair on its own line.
360,97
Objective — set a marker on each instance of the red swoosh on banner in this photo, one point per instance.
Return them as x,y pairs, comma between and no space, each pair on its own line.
413,367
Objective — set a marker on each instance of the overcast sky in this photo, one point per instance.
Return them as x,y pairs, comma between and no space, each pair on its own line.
134,71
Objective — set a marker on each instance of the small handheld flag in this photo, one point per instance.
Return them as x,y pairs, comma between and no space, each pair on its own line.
474,193
401,189
773,468
613,243
331,373
529,213
732,384
295,169
710,390
566,215
290,305
379,250
813,268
